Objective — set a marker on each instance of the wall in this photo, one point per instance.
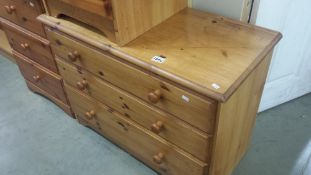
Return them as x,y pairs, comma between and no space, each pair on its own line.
229,8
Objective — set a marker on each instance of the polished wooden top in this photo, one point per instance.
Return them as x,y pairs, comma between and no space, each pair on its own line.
204,52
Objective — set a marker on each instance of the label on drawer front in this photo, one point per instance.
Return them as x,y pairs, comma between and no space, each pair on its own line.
159,59
185,98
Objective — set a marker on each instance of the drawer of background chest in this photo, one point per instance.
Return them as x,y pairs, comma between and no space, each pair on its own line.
29,44
148,147
41,77
23,13
165,125
199,112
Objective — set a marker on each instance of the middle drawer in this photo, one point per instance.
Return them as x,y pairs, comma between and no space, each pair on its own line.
165,125
199,112
41,77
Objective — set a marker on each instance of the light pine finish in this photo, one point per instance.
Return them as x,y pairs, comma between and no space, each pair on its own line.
236,119
121,21
41,77
25,35
165,125
212,79
198,111
202,50
29,44
155,151
23,13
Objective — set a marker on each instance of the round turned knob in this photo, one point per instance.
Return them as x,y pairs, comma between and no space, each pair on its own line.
155,96
25,46
90,115
73,56
10,9
157,127
82,85
158,158
36,78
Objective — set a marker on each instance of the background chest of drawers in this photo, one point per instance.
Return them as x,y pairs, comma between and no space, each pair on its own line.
182,97
120,21
32,50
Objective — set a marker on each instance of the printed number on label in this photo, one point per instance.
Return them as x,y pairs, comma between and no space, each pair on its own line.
159,59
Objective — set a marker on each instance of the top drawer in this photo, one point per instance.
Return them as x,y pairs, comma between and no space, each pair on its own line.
23,13
120,21
191,108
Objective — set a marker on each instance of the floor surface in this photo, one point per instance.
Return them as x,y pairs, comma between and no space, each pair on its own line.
38,138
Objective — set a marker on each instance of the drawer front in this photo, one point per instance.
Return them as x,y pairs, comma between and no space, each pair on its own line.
23,13
33,46
153,150
168,127
193,109
41,77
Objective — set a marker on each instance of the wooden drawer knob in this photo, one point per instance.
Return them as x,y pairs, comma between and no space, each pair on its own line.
25,46
158,159
157,127
73,56
36,78
10,9
82,85
90,115
155,96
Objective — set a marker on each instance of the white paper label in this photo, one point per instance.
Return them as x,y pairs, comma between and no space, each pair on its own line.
215,86
159,59
185,98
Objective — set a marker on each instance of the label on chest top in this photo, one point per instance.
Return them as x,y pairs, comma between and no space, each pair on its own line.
159,59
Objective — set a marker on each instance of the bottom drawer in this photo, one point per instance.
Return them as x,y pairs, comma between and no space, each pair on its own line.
36,89
41,77
161,155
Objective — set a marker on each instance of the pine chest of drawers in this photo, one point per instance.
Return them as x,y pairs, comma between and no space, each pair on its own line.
182,97
31,49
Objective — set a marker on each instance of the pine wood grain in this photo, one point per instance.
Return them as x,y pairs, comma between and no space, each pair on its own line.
236,119
24,14
41,77
212,59
197,111
202,50
174,130
29,44
133,138
121,21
